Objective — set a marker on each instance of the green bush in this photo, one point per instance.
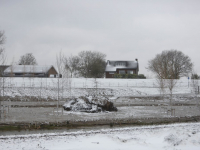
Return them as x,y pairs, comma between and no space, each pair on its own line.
129,76
141,76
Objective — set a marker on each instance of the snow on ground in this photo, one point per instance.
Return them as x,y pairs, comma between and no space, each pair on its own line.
48,87
49,114
185,136
176,136
45,88
88,82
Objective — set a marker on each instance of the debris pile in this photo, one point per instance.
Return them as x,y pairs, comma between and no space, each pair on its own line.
89,104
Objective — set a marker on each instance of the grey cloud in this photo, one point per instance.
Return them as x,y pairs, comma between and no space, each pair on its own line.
121,29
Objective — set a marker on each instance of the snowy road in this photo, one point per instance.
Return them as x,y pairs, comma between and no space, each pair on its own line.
184,136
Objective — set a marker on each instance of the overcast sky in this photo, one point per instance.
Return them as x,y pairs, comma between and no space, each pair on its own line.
122,29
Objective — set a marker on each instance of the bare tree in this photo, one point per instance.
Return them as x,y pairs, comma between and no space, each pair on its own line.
91,64
63,81
168,67
2,51
71,64
170,84
161,85
2,58
2,38
170,64
27,59
195,76
60,69
2,62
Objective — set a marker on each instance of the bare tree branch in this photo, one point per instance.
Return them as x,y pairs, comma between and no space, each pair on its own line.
170,64
2,38
2,51
168,67
27,59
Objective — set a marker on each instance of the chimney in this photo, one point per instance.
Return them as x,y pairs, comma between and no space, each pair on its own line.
137,66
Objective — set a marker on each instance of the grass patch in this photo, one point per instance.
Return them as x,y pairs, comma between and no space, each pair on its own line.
9,128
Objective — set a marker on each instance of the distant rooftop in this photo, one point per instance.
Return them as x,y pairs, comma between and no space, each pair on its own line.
28,69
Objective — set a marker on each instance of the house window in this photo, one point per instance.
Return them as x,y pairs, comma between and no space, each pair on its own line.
121,71
111,73
130,71
120,64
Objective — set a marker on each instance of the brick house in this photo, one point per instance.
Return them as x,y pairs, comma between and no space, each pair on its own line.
121,67
30,71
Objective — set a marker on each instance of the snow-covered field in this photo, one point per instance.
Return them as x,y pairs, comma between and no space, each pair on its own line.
128,108
48,87
23,107
184,136
134,99
88,82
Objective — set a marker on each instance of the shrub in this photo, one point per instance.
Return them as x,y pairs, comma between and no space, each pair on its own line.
141,76
195,76
129,76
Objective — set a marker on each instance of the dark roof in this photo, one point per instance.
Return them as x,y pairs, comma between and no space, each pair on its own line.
112,66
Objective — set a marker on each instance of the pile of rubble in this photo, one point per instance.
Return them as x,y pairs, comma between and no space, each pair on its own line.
89,104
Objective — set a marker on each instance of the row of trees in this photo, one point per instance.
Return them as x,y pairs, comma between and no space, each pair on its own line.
195,76
88,64
170,64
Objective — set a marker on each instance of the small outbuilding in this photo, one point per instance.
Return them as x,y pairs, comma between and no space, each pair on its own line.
121,67
30,71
